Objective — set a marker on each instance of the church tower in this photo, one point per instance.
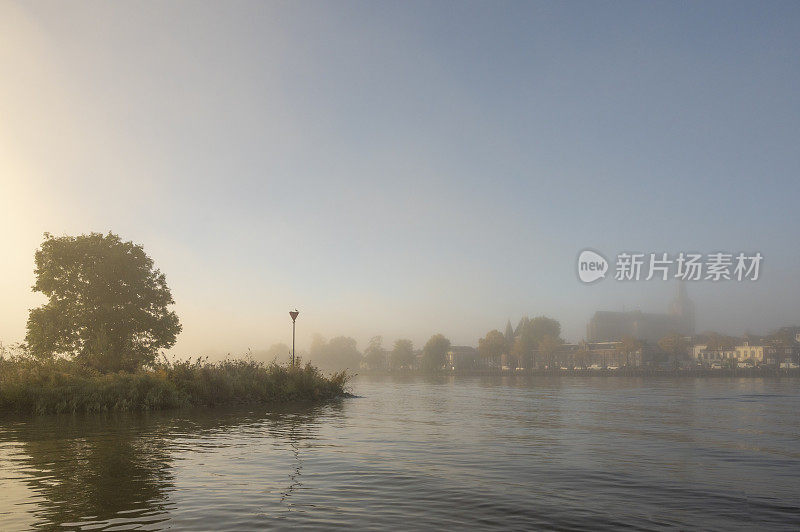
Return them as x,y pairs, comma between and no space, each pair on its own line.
683,308
509,334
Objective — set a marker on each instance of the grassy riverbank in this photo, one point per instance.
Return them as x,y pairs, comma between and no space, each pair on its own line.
28,385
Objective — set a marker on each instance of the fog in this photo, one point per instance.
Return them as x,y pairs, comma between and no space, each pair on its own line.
399,169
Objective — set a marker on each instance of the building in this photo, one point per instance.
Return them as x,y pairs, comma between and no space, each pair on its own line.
755,351
786,344
461,357
703,355
682,308
606,326
751,350
596,355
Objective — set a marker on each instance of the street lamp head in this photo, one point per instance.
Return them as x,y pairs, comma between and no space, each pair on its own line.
293,313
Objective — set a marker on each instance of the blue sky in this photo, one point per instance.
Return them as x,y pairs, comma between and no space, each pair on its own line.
404,168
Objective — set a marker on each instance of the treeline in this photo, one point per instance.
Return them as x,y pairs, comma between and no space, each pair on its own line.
531,338
342,353
538,337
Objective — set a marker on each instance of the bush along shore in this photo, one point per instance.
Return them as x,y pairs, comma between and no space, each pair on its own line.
31,385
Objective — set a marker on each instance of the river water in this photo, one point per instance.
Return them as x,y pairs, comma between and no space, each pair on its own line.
413,453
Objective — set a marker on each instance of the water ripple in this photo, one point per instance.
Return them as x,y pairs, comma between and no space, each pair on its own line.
409,454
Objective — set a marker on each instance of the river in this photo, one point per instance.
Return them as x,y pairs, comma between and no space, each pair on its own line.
415,453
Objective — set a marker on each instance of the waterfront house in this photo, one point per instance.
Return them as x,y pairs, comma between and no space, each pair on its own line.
462,357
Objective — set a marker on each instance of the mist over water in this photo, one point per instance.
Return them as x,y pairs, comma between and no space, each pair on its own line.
414,453
420,181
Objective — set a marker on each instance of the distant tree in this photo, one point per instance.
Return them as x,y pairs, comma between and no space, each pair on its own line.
676,347
492,347
542,326
434,353
517,351
375,354
108,305
628,346
523,322
548,347
343,351
318,347
582,357
530,333
279,351
525,345
402,354
337,354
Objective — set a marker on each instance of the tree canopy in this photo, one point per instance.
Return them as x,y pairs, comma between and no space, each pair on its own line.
675,346
542,326
108,305
493,346
375,354
548,346
530,333
337,354
278,351
434,352
402,354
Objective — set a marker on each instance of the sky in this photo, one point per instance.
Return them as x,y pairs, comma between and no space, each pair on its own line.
404,168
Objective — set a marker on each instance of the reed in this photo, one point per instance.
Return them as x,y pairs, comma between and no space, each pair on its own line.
30,385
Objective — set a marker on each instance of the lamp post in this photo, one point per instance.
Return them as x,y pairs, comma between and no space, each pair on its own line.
293,313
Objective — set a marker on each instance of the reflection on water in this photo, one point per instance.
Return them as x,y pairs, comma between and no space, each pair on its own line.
75,467
293,421
96,471
410,453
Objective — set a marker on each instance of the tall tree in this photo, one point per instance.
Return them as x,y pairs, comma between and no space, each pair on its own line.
375,354
492,347
317,351
434,353
542,326
337,354
525,345
629,346
582,357
402,354
548,348
523,322
108,305
279,351
675,346
530,333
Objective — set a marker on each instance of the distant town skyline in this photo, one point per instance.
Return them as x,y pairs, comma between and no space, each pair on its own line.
404,169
